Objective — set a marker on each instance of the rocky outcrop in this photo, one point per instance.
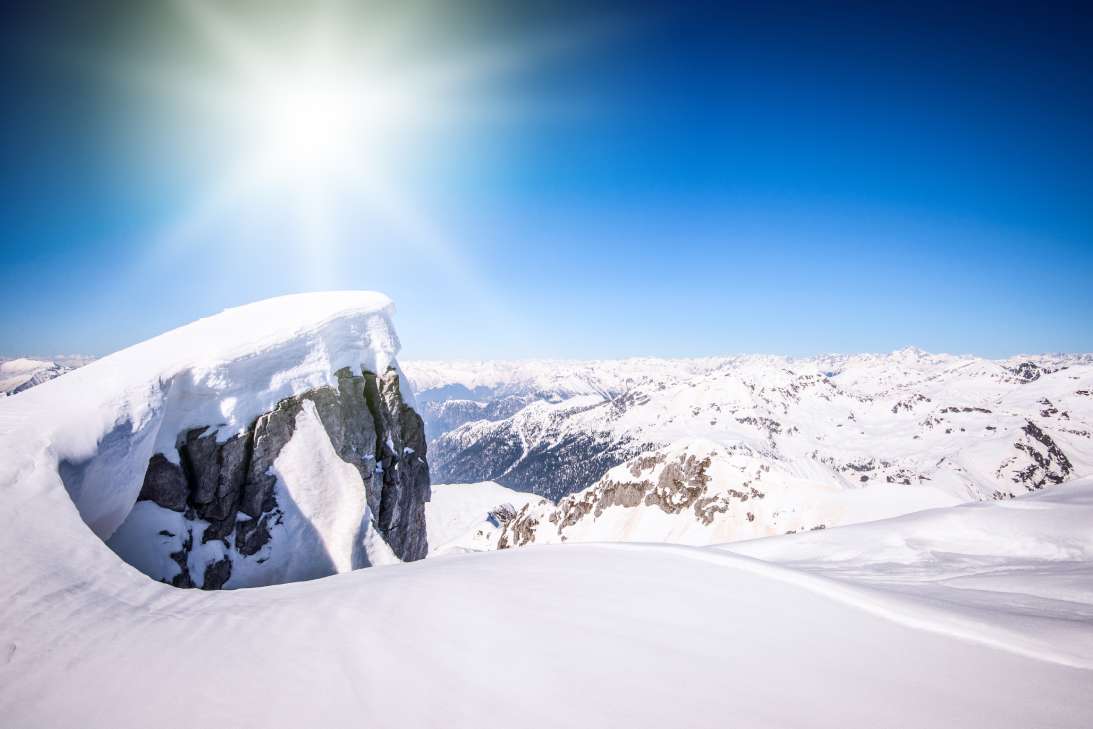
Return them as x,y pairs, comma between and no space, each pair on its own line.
401,468
226,489
1047,462
671,484
1026,372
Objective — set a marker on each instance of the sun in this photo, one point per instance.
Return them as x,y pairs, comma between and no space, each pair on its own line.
313,115
307,125
332,119
327,115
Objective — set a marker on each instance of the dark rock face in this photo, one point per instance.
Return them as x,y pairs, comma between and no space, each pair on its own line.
1048,464
1030,372
231,484
165,484
401,468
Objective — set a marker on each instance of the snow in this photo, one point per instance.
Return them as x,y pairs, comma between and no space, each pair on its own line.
17,375
325,526
631,635
787,503
105,420
965,616
456,515
829,440
1016,574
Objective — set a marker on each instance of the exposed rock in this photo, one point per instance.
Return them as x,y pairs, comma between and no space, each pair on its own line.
1049,465
518,529
680,484
909,403
216,574
401,467
1026,372
165,484
230,485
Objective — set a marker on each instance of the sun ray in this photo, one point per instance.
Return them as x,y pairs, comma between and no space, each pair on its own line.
336,103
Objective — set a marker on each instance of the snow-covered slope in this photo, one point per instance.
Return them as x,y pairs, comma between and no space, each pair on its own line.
619,635
252,447
627,635
1017,572
467,517
774,444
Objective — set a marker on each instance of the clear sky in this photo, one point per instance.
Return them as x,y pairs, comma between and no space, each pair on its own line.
604,180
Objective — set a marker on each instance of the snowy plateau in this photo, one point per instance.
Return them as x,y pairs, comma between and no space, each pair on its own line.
898,540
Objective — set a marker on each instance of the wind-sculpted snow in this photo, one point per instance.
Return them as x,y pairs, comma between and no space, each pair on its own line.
792,443
636,635
187,453
577,635
1017,573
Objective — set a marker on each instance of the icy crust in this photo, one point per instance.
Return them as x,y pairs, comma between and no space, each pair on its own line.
100,424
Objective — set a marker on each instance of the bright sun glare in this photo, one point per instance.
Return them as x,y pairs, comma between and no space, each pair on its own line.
307,124
324,113
324,122
329,106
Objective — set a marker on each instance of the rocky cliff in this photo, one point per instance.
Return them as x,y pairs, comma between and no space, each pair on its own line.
276,503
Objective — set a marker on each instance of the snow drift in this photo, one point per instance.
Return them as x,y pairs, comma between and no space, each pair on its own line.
246,448
625,635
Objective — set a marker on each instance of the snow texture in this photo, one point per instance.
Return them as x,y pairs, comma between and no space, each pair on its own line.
982,619
791,443
721,636
461,516
101,423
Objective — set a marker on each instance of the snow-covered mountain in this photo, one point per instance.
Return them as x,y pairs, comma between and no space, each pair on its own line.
721,449
469,517
22,373
267,444
973,615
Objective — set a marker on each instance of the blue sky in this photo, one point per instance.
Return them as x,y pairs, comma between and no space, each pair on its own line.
790,179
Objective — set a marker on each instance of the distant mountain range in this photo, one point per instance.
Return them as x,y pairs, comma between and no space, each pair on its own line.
271,447
721,449
22,373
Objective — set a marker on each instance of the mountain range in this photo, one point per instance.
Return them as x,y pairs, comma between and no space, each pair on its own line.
276,455
714,450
